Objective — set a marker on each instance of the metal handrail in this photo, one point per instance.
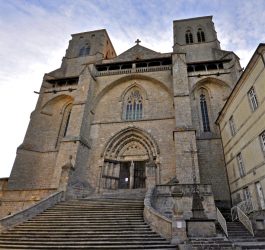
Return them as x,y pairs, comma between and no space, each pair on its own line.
246,206
222,221
234,213
242,217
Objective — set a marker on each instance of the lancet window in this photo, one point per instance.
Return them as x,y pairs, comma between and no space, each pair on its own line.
204,112
189,37
200,35
134,106
64,123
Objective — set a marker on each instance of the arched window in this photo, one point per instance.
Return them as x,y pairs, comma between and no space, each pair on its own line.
64,123
189,37
67,114
204,112
200,36
84,51
134,106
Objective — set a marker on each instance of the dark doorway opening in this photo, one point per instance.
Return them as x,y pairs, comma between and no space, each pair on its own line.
139,174
137,170
124,181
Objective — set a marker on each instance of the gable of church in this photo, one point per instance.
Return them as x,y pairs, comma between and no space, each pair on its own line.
137,52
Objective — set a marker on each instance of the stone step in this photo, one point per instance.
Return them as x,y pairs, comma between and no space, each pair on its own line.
108,200
83,238
103,204
39,222
127,247
83,243
91,218
78,216
105,201
80,240
212,243
81,227
79,234
92,213
85,229
253,247
88,208
84,223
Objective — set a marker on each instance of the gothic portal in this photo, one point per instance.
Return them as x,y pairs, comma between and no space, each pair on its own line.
125,157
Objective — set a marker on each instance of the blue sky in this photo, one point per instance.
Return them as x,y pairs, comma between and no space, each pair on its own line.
35,33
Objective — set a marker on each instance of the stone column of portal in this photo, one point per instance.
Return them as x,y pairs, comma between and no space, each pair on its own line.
132,175
105,173
117,175
109,180
184,134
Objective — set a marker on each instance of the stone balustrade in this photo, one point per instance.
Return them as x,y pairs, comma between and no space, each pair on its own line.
168,208
132,70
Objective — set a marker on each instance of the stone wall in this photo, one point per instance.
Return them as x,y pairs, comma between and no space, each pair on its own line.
14,201
3,183
170,198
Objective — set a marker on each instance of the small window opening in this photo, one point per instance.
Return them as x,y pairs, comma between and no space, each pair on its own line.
114,67
200,36
253,99
151,64
212,66
190,69
141,65
84,51
126,66
189,37
200,67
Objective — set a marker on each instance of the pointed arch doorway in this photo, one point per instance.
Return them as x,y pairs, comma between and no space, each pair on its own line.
126,156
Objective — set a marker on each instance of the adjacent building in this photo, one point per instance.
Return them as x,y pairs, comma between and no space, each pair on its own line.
242,127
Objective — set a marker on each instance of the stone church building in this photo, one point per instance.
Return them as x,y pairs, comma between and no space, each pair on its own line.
106,122
108,116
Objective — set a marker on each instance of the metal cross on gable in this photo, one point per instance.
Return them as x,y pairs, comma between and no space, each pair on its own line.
137,41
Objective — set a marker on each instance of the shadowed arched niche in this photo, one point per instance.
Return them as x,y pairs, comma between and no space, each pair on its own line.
54,121
209,80
131,144
208,96
61,101
125,79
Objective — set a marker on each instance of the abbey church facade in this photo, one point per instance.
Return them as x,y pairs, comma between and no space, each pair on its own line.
176,137
102,120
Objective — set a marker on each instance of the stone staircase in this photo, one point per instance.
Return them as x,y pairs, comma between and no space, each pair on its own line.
210,243
239,235
95,223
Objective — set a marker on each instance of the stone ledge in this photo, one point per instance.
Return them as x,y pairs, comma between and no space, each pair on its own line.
159,223
17,218
201,227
